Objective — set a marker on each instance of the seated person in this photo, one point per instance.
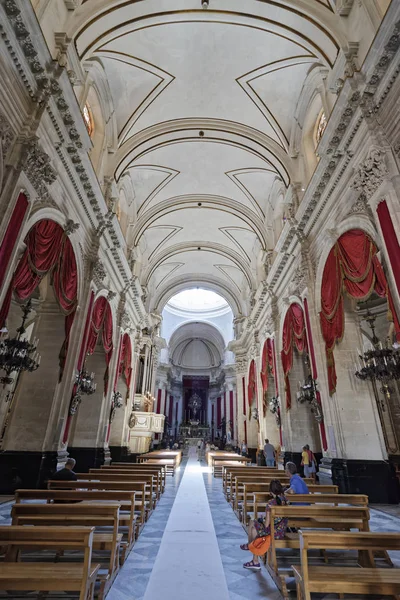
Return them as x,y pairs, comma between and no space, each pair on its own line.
297,484
262,527
67,473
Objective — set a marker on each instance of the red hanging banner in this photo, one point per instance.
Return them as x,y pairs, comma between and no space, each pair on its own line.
231,414
244,394
294,335
352,265
252,386
12,234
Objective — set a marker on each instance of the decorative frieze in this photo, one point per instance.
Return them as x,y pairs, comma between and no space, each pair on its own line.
37,166
371,173
99,272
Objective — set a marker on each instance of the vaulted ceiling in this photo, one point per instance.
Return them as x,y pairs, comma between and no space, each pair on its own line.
204,103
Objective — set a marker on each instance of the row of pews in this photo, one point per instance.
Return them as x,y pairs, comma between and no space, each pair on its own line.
76,539
218,459
170,459
328,547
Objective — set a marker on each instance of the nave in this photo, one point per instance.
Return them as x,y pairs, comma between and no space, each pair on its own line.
190,544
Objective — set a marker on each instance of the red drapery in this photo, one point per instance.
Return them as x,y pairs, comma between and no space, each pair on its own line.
267,363
124,366
159,401
170,411
391,241
245,431
101,321
252,385
244,394
267,366
351,266
314,370
231,413
294,334
81,360
48,251
12,234
218,412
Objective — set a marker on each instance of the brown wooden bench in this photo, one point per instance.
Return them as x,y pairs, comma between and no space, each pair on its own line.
315,516
257,494
142,499
44,576
137,468
219,462
151,480
128,525
227,473
262,497
175,455
343,579
240,480
169,464
98,516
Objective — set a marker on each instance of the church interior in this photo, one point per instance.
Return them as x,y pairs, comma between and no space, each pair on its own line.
199,299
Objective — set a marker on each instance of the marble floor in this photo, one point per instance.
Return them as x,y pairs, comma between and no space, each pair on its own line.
189,548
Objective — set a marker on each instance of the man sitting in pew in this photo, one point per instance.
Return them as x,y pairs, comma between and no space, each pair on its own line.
297,484
262,527
67,473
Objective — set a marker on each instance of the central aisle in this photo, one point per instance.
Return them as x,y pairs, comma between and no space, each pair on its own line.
188,562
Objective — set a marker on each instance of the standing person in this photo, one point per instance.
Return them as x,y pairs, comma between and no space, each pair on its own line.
312,461
297,484
305,461
243,448
199,449
269,453
262,527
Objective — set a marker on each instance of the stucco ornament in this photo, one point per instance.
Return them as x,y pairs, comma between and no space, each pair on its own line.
371,173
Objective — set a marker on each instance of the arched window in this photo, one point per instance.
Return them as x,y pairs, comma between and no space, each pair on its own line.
88,118
320,127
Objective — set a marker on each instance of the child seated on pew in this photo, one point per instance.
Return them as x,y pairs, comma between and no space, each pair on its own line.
262,527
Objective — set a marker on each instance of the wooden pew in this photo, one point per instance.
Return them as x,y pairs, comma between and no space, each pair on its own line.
174,455
116,473
168,463
127,517
228,472
89,515
161,469
219,462
262,497
255,493
315,517
342,579
142,505
151,480
44,576
240,480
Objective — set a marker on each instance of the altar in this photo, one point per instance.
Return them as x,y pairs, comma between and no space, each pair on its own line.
194,431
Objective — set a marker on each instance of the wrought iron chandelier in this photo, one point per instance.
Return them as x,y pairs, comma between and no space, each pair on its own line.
18,354
86,385
307,392
379,363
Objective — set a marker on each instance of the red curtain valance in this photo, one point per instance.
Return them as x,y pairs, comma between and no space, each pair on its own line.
48,251
252,385
351,266
101,321
124,366
294,335
267,363
12,234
